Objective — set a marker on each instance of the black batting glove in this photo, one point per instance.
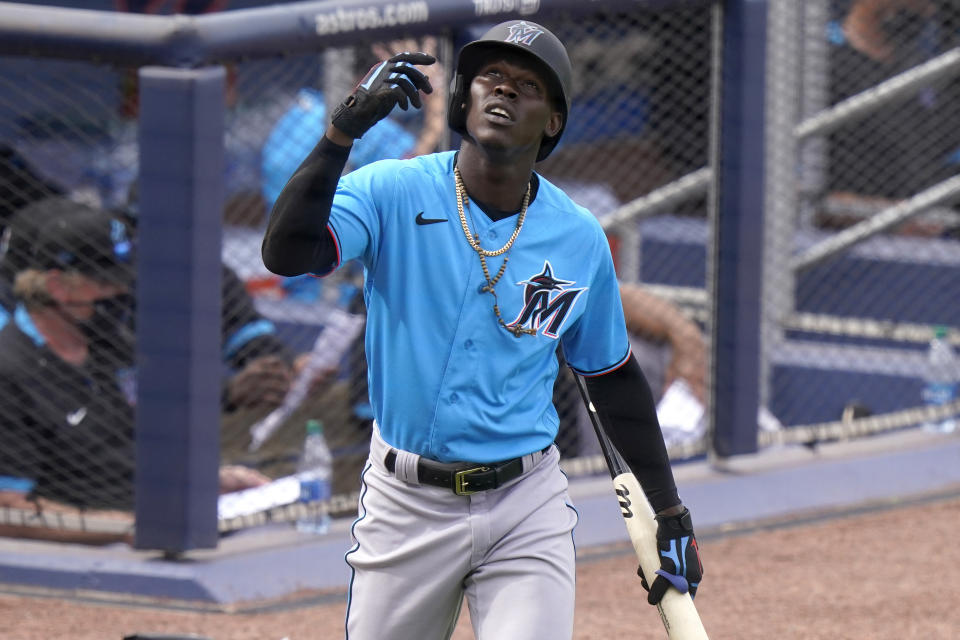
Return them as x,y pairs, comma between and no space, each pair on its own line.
680,565
388,84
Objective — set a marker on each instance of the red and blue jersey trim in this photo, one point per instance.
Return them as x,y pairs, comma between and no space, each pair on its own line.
336,264
599,372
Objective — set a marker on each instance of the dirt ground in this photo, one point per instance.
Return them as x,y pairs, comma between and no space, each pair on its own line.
888,573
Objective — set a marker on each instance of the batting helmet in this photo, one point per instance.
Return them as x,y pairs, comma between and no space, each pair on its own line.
515,35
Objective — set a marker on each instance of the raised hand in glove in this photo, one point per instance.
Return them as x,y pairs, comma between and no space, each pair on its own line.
680,564
388,84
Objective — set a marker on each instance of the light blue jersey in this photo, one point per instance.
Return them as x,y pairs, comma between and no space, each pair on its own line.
446,380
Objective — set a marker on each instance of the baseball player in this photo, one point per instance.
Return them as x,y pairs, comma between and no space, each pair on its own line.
477,271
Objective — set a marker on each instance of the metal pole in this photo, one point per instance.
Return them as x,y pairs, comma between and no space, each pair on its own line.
814,89
623,221
682,189
257,32
736,247
940,193
339,76
866,102
178,308
780,191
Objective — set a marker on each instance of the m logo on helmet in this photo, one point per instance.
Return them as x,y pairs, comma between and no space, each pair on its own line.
523,33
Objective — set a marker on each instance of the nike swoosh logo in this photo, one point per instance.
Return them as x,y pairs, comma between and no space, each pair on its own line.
76,417
421,220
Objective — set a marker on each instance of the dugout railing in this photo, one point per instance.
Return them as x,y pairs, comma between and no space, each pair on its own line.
884,239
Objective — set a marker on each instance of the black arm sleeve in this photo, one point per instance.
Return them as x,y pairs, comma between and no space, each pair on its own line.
628,413
296,240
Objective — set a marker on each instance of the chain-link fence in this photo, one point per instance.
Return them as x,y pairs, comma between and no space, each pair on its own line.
69,129
861,236
861,193
861,264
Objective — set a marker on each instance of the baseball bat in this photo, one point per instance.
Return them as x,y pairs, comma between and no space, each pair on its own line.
677,611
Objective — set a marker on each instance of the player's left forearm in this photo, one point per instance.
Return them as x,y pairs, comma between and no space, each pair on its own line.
628,414
296,240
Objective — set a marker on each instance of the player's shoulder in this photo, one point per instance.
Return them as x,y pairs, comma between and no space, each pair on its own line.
421,168
431,165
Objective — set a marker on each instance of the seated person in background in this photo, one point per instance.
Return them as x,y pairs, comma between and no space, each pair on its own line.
259,365
260,370
66,412
879,28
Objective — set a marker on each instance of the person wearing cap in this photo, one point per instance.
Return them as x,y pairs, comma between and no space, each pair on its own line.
260,365
66,378
65,420
478,271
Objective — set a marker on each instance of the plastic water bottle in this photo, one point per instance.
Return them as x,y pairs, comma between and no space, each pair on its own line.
315,470
940,380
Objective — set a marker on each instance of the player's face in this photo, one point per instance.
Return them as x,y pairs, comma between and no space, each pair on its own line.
510,106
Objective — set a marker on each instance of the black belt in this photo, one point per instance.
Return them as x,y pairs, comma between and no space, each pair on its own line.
463,478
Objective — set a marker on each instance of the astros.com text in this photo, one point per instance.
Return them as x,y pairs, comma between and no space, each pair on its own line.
398,13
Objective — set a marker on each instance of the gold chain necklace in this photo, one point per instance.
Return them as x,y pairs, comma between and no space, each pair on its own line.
462,201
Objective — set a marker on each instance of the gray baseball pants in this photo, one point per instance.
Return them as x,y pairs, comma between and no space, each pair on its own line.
418,550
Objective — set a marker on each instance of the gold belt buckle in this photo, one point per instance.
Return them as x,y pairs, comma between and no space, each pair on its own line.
460,480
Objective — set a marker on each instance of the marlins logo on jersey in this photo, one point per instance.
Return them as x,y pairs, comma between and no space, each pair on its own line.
523,33
546,300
